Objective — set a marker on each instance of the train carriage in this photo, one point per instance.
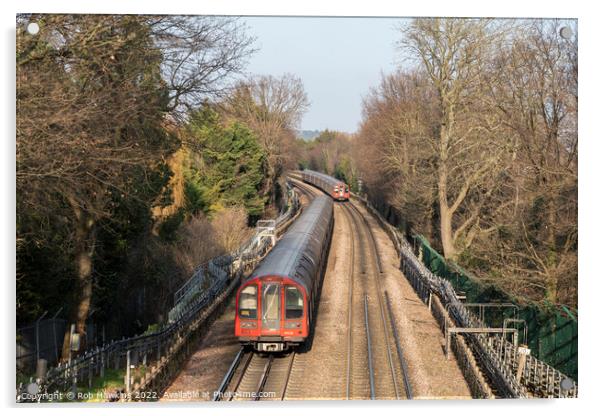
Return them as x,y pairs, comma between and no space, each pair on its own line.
276,304
336,188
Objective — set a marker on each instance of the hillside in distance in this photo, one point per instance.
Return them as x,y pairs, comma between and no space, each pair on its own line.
308,134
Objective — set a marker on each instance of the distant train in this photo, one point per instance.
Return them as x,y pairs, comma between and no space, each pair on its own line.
277,303
337,189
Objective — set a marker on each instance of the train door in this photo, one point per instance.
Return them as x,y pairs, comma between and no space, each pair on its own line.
270,307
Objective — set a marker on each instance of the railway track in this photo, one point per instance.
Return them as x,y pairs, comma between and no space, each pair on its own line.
376,368
373,366
256,376
307,190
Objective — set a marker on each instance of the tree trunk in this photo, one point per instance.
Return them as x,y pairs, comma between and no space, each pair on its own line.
84,240
270,183
447,240
552,255
445,214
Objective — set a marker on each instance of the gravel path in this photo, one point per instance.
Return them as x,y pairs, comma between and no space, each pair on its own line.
319,373
432,375
204,371
328,352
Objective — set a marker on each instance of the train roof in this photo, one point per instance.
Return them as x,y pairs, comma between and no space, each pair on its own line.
332,181
297,253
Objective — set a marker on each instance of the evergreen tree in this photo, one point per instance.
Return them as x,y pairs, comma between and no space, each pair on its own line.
226,165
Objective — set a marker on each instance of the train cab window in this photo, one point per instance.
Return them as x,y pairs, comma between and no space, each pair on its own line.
294,302
247,302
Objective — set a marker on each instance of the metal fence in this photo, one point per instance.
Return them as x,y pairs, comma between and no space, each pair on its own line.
42,340
512,373
146,358
552,330
264,237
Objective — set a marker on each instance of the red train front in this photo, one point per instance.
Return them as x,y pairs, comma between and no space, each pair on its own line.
275,304
341,192
271,313
336,188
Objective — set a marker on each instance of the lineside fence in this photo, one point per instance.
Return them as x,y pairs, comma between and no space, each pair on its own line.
492,365
150,361
552,330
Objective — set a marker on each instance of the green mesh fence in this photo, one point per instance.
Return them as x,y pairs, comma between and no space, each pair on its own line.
551,331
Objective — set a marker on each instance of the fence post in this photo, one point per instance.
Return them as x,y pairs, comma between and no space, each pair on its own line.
38,336
523,351
56,347
102,362
41,368
73,370
128,379
90,369
71,332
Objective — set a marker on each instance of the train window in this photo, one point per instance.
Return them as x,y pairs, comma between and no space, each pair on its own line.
247,302
270,306
294,302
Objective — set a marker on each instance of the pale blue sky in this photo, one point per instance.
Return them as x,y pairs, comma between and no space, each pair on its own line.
338,59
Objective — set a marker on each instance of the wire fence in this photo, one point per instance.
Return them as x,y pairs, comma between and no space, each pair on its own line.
552,330
512,372
42,340
150,360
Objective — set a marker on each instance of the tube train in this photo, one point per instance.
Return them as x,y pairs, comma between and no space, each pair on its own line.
337,189
276,304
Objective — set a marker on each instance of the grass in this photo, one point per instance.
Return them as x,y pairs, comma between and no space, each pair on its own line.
24,378
113,380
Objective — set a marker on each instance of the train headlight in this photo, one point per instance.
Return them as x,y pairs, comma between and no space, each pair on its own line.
248,324
290,324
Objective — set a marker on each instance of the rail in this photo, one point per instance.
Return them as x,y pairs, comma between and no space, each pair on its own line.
383,318
404,365
499,359
370,364
256,374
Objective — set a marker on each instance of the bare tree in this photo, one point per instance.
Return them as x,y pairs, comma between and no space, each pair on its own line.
200,54
92,96
272,107
399,116
230,225
455,53
537,98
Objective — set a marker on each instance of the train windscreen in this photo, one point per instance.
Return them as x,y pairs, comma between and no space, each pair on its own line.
270,305
247,302
294,303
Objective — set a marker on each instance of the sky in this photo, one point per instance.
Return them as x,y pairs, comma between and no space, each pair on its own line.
338,60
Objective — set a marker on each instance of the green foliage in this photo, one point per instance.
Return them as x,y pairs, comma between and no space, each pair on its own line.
195,199
152,328
344,171
93,96
302,164
325,136
101,386
226,166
